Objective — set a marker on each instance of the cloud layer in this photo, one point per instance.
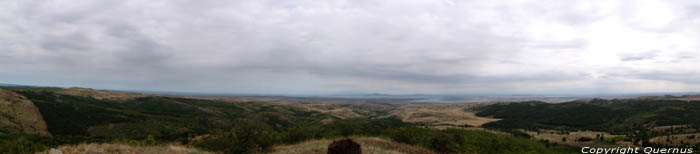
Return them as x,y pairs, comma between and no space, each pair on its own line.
338,46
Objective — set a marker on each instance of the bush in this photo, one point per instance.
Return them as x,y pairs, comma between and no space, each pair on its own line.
302,133
247,136
584,139
22,143
466,141
410,135
446,144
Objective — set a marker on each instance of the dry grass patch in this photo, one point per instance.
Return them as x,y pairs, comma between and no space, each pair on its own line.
102,94
441,114
675,129
127,149
677,140
370,145
470,128
343,110
572,138
456,114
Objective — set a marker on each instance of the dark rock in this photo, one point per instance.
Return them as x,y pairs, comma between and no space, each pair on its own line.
344,146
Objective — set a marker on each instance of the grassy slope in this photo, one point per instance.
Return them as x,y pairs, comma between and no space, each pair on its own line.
369,145
123,148
19,115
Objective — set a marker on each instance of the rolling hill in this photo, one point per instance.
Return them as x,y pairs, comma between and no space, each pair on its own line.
19,115
101,120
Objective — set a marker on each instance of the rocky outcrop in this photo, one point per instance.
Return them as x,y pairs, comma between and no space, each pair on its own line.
19,115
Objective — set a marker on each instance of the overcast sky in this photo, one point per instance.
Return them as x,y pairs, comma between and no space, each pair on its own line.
343,46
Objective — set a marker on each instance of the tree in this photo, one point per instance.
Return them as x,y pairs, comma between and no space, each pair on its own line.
246,136
445,144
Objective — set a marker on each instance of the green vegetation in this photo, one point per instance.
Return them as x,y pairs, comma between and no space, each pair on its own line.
23,143
247,136
72,115
29,88
633,117
76,119
254,127
616,116
469,141
239,140
162,117
251,127
251,136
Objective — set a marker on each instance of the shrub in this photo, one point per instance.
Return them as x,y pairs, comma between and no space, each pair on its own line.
22,143
446,143
302,133
584,139
247,136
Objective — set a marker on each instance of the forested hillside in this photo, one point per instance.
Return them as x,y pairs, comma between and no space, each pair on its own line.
228,127
640,119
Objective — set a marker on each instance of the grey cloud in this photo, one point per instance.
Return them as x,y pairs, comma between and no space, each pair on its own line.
563,45
639,56
393,73
682,77
319,46
686,55
138,49
685,77
565,12
71,42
